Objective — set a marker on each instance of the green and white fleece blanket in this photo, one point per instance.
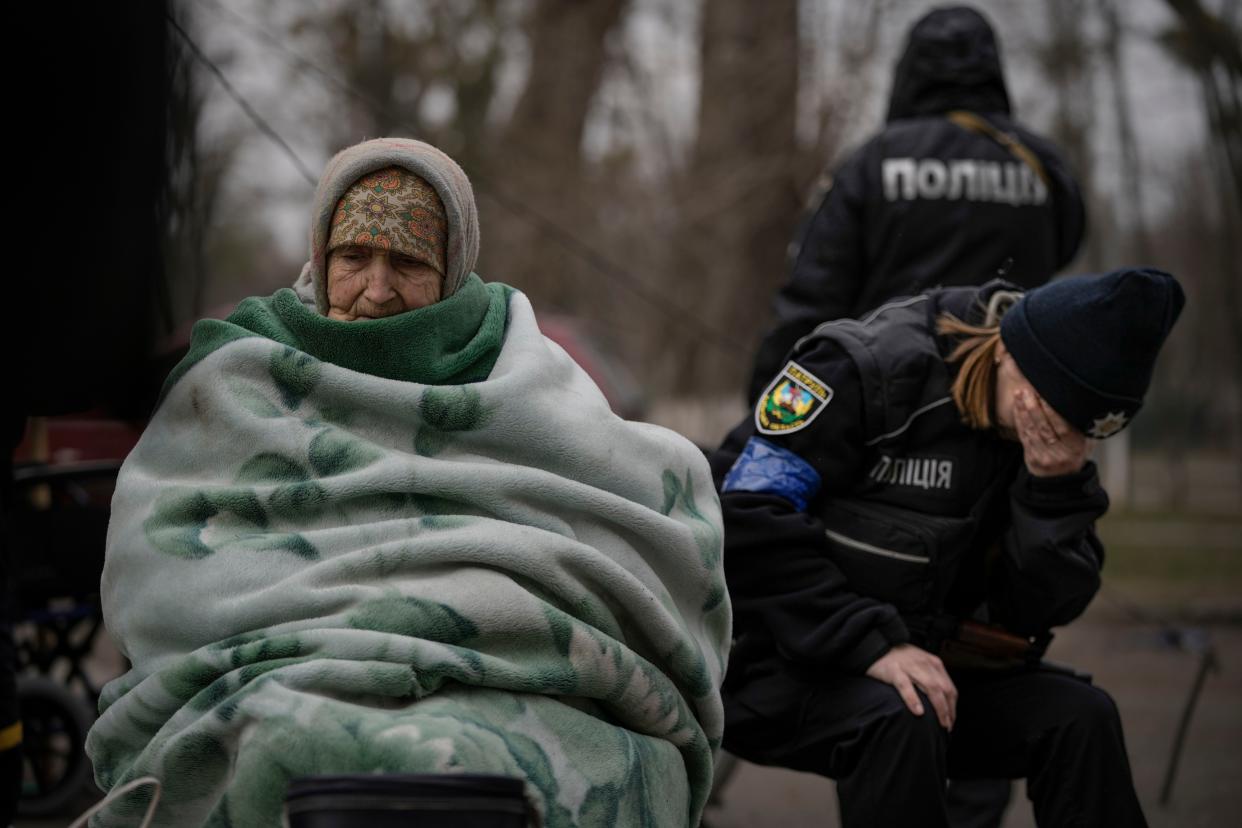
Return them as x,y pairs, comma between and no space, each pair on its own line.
418,544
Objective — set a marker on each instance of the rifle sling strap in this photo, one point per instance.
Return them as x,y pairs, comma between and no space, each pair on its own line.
975,123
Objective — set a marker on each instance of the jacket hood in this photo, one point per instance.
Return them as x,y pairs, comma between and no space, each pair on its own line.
951,61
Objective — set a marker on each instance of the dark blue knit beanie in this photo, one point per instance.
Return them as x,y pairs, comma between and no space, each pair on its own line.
1088,343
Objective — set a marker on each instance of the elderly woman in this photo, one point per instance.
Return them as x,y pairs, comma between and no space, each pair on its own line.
911,471
379,523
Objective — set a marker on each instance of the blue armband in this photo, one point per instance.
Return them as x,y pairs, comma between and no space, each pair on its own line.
766,468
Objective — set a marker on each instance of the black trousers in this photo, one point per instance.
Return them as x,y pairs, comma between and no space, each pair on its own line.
1057,731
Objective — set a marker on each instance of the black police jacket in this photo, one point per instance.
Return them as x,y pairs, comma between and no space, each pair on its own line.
929,202
857,505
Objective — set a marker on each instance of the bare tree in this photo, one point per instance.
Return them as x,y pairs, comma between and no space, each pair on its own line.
1132,172
197,172
567,61
740,197
1065,57
536,169
390,63
1210,46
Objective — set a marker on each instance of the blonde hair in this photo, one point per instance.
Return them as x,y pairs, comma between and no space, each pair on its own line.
974,387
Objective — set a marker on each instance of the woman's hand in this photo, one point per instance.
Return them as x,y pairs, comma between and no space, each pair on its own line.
907,667
1050,446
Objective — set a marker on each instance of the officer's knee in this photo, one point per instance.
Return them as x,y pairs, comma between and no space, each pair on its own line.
1087,710
901,724
1097,711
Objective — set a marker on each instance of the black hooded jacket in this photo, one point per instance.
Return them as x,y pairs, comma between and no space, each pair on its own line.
929,201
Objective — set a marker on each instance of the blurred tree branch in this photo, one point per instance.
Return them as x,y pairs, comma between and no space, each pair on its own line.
197,170
397,61
1065,57
1132,176
1211,46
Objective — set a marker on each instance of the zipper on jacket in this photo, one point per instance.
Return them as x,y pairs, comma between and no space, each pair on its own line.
875,550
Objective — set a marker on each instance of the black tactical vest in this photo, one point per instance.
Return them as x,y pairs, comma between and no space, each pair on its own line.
927,503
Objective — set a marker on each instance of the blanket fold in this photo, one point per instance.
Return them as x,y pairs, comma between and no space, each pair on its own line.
322,560
453,341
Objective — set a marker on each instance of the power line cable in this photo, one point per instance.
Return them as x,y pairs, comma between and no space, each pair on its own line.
560,235
250,111
255,30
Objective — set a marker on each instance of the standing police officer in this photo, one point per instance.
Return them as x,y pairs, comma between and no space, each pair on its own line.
904,473
951,192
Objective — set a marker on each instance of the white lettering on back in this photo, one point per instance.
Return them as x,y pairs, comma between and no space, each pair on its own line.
1008,182
898,172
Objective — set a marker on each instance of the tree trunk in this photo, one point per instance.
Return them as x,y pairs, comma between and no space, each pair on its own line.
1213,47
531,201
1131,166
1210,46
567,62
1065,57
739,200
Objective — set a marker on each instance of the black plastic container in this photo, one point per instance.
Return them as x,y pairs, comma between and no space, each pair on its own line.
406,801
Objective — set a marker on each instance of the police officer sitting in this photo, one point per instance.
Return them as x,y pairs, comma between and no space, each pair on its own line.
904,476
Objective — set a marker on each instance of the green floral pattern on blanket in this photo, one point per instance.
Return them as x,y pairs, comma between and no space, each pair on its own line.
446,411
320,571
295,374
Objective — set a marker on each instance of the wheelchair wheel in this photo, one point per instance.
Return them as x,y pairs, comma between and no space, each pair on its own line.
55,769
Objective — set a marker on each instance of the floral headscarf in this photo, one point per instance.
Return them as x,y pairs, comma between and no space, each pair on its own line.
395,210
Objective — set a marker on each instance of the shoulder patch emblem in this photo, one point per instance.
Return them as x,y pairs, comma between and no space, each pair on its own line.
791,401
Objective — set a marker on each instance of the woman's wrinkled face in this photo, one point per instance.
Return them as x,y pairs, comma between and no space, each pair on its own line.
371,283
